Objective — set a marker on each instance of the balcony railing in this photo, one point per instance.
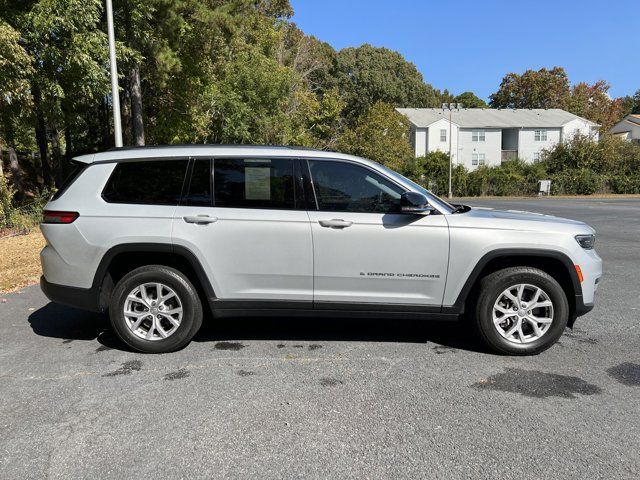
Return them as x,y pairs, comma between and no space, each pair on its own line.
509,155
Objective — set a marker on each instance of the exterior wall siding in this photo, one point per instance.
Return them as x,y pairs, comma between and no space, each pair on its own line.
433,137
527,144
420,141
491,147
578,126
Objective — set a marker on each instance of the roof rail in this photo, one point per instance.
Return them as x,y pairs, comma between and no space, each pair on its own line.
208,145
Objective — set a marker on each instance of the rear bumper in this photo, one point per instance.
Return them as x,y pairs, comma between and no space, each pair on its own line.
82,298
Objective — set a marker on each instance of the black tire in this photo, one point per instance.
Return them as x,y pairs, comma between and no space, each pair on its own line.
492,286
178,282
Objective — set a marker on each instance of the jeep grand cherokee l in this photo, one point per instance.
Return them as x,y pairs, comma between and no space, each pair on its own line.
155,235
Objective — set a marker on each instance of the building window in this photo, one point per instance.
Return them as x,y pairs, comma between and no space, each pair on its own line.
540,135
443,135
477,136
477,159
536,156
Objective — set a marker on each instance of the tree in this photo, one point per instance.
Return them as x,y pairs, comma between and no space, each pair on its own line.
469,100
381,134
533,89
631,104
15,71
366,75
593,103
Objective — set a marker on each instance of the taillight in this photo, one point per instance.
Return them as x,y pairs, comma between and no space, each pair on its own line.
49,216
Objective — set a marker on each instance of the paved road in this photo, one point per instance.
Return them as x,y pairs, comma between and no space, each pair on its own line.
336,398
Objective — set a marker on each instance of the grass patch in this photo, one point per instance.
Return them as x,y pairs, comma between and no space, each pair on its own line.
20,260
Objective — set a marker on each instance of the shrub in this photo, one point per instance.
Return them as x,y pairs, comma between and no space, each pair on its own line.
20,218
578,182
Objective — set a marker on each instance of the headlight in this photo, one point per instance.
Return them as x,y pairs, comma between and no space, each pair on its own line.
586,241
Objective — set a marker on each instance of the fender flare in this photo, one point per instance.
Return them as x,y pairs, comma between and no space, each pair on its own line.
580,308
184,252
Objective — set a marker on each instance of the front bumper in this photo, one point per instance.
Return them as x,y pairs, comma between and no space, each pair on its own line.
82,298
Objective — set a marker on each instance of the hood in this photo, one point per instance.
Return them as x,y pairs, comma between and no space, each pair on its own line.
520,220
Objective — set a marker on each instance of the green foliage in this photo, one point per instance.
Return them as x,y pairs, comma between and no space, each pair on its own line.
550,89
533,89
381,134
19,218
366,75
434,174
577,182
470,100
579,166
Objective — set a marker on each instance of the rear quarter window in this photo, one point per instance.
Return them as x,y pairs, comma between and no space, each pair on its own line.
76,169
155,182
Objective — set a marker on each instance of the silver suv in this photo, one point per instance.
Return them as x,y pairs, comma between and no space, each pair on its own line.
159,235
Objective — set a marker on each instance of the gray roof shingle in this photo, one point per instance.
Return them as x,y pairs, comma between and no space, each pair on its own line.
492,117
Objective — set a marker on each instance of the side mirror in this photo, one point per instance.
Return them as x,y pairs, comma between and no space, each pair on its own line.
415,203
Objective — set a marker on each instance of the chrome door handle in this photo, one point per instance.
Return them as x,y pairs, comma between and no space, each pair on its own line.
200,219
335,223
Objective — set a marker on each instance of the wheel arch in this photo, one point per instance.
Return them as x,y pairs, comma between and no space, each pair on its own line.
555,263
122,258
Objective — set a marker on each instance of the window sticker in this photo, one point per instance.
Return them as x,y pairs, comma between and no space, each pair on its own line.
257,183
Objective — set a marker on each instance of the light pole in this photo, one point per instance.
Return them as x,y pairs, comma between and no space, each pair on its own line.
450,107
115,95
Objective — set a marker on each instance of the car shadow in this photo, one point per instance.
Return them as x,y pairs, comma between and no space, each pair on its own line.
455,335
69,324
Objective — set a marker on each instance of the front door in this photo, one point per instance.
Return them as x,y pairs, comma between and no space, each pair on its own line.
365,250
248,226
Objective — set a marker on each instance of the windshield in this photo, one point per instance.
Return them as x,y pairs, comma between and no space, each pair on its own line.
433,199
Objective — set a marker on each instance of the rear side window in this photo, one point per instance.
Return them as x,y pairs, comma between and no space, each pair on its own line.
255,183
156,182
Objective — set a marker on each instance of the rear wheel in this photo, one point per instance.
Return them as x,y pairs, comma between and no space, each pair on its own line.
521,311
155,309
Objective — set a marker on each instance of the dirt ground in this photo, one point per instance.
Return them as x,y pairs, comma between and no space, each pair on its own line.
20,260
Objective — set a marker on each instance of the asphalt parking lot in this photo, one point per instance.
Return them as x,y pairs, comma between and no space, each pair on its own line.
276,398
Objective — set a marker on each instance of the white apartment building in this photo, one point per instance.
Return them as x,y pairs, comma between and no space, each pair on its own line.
486,136
628,128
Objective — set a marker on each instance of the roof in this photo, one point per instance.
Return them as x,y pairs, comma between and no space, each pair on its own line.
633,118
182,151
493,118
626,124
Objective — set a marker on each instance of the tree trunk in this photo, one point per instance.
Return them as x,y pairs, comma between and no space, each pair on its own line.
41,138
56,155
15,169
136,106
68,143
1,159
104,122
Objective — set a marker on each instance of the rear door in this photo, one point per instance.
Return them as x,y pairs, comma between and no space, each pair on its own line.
365,250
245,220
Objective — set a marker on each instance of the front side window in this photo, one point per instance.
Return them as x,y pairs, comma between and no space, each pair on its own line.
254,183
540,135
477,135
199,191
536,156
155,182
443,135
345,187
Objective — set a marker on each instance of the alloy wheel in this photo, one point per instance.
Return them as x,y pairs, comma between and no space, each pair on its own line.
153,311
523,313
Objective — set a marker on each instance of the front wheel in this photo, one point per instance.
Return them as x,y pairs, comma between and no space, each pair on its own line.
521,311
155,309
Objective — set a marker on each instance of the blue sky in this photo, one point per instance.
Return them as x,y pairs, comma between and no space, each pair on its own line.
470,45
